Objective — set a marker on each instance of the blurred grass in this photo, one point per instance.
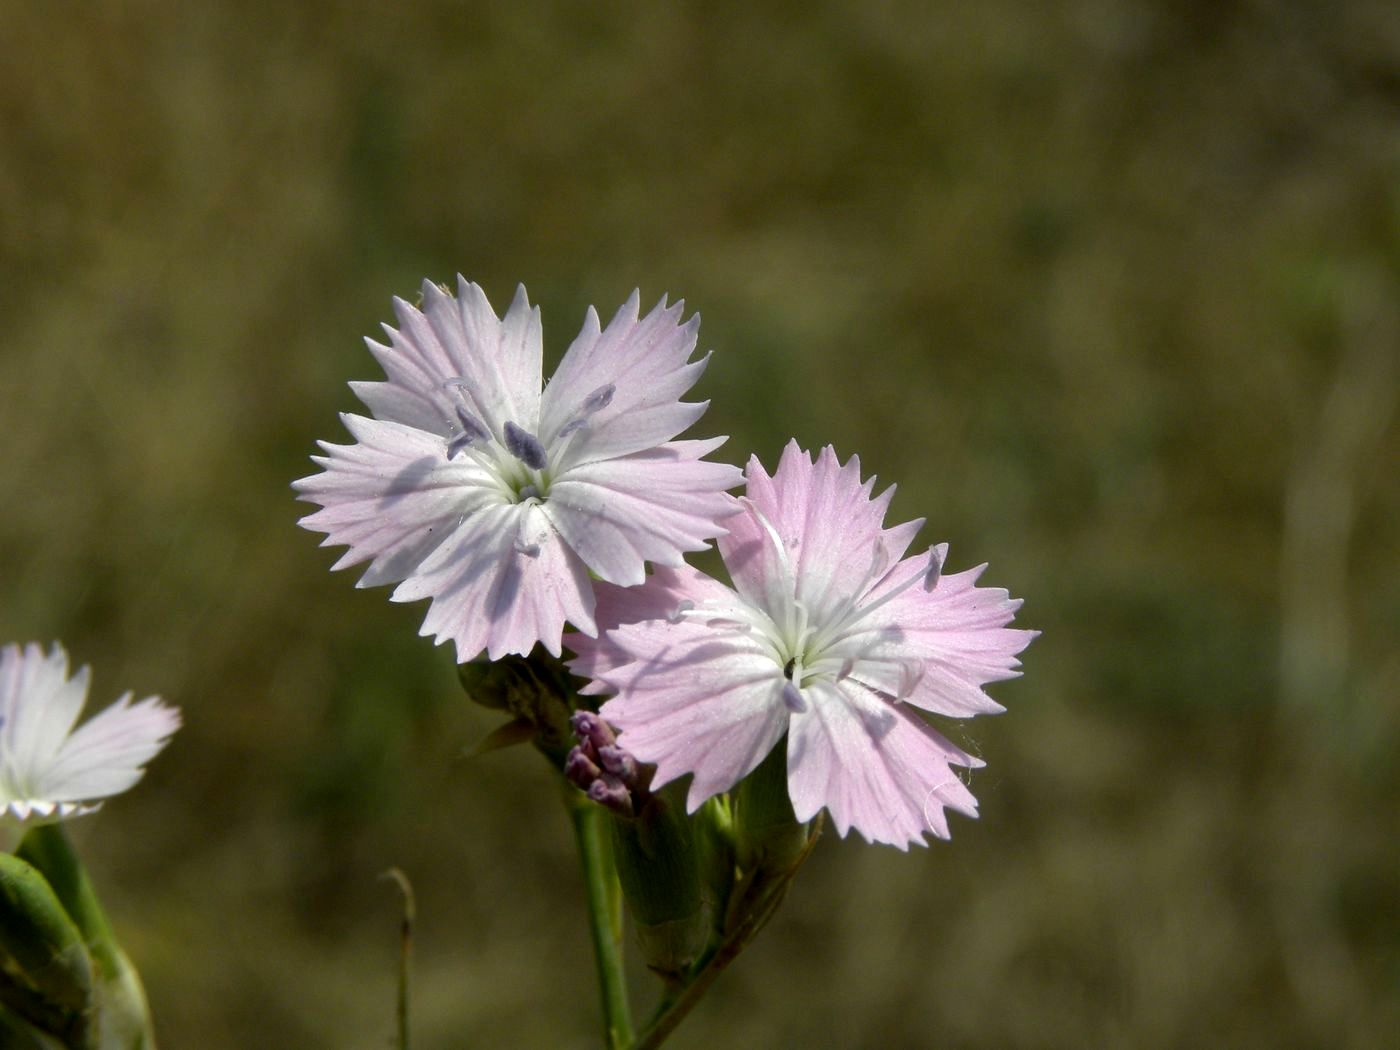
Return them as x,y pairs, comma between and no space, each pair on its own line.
1108,288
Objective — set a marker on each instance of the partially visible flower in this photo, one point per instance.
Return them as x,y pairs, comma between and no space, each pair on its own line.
51,771
495,499
827,637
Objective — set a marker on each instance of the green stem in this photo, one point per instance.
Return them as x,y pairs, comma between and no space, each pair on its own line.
766,893
405,949
604,918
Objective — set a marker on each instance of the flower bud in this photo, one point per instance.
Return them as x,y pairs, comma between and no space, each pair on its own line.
659,866
42,940
535,688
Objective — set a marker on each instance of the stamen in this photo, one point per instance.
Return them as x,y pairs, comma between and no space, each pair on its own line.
935,565
472,432
598,400
742,626
779,548
525,447
792,698
677,614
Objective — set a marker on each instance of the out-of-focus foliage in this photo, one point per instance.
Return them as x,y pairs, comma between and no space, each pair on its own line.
1110,288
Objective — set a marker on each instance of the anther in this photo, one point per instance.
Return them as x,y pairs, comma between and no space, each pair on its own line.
525,447
472,432
792,698
935,565
598,400
677,614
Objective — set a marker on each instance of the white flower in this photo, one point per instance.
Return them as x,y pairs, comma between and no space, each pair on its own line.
495,497
51,771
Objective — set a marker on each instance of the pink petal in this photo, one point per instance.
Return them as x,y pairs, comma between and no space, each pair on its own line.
664,592
957,633
645,363
392,498
873,767
649,506
695,701
828,523
490,592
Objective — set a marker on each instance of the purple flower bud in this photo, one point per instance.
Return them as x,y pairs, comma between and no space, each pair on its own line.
581,769
608,792
619,763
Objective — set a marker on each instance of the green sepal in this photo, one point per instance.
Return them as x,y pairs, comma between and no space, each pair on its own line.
536,688
659,867
123,1017
767,832
40,937
18,1034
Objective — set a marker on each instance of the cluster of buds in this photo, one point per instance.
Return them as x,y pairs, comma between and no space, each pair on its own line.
606,773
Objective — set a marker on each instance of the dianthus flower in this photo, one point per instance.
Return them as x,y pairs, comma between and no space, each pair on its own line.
827,638
51,771
495,499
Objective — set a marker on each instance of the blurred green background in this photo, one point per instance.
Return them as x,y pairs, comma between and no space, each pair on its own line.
1109,288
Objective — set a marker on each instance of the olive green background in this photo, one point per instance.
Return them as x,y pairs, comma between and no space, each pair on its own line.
1108,288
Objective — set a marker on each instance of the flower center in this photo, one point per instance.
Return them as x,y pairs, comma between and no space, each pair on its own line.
515,457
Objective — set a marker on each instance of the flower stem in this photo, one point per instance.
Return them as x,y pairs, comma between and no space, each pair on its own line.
760,899
405,950
604,918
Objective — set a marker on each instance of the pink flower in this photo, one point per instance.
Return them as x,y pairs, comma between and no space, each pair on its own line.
495,499
51,771
827,637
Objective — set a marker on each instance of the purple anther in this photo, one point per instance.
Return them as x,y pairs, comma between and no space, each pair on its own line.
525,447
598,400
472,432
935,565
682,607
792,698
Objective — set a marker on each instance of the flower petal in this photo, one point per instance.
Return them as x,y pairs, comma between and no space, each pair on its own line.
107,753
697,701
644,362
502,581
649,506
666,591
957,634
873,767
830,528
392,498
39,704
